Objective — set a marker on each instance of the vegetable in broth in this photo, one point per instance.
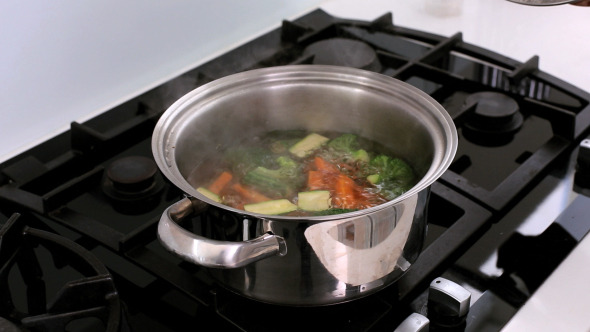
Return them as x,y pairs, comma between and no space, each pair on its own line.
307,174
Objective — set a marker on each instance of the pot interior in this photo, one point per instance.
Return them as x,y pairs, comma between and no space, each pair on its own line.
239,108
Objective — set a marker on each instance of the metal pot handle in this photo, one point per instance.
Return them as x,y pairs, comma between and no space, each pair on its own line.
212,253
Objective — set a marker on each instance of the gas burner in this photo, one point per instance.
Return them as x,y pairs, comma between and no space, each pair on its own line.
30,259
492,119
133,184
343,52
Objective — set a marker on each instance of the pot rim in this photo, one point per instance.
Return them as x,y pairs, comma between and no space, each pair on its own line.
162,149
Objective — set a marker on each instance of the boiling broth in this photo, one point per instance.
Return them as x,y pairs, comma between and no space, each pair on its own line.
299,173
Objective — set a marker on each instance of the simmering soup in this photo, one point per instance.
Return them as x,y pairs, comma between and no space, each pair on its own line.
299,173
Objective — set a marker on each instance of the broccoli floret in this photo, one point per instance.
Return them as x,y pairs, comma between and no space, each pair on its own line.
280,182
286,163
392,169
243,160
346,148
361,155
395,176
380,162
345,143
373,178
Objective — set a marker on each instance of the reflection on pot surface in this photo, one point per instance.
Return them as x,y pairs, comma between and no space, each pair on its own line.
361,250
330,261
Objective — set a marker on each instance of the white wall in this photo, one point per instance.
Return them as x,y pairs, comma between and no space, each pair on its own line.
63,61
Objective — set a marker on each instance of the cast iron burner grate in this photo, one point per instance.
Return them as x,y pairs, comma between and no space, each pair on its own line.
26,278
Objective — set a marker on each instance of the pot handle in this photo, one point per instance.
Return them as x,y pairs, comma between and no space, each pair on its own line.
212,253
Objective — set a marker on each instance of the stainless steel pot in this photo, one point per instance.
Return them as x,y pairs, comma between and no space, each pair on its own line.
302,261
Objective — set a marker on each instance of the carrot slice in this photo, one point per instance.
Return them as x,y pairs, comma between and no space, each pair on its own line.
220,182
344,192
315,180
250,195
324,166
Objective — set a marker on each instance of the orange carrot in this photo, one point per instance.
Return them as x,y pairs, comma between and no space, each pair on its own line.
220,182
345,192
324,166
315,180
250,195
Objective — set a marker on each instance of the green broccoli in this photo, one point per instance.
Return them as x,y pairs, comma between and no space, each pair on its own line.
347,147
345,143
287,165
280,182
361,155
242,160
392,175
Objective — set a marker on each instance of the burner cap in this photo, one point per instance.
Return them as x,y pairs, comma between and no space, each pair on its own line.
131,182
343,52
132,174
493,120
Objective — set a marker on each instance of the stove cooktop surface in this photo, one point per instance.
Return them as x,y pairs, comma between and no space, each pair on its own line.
69,229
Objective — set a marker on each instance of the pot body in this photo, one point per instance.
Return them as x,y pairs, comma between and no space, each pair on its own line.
330,261
290,260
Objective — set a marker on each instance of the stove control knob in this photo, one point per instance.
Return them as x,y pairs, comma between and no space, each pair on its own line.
583,161
582,175
414,323
448,304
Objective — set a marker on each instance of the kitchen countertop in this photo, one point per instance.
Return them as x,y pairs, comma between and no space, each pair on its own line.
64,62
557,34
561,303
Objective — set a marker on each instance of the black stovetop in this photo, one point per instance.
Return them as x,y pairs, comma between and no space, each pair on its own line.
73,247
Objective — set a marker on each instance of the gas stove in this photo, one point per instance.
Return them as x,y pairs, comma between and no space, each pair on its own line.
78,212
